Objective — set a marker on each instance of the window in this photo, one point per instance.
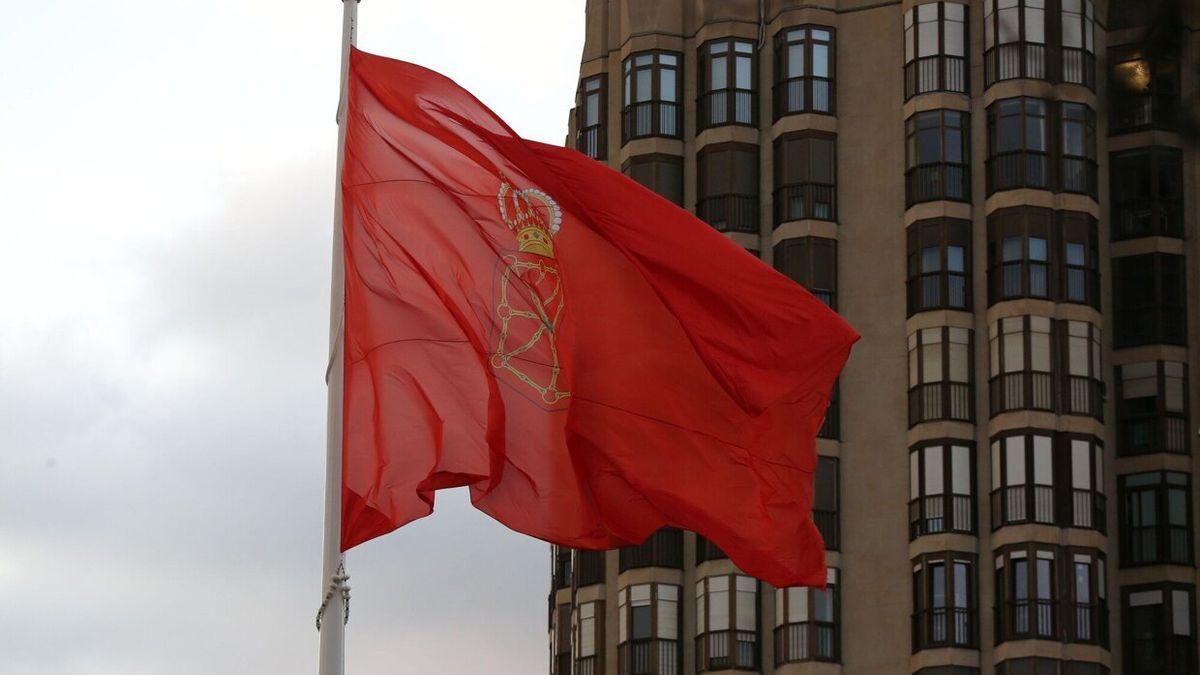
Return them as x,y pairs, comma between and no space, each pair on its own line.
1077,164
706,550
589,638
1085,616
1079,254
727,76
948,670
560,559
1152,409
831,426
1148,300
648,636
1017,144
727,623
661,173
1156,521
1051,593
939,265
1039,665
1158,624
727,197
1022,378
804,70
1147,193
808,623
1014,40
1082,386
560,640
937,156
1143,90
940,385
945,601
825,501
652,94
1023,479
1141,13
812,263
941,479
589,567
1079,42
935,48
805,177
664,548
1082,501
1019,248
591,116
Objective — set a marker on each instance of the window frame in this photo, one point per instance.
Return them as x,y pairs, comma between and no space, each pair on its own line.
945,398
808,639
592,138
707,101
953,511
740,647
1077,172
807,85
1165,212
1177,655
950,624
827,520
1027,387
949,72
941,180
1025,166
1171,429
817,199
665,115
942,234
717,209
1164,533
626,642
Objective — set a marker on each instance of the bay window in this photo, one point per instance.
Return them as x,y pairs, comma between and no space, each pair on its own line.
939,375
727,623
1023,479
727,84
1152,409
939,265
1017,144
1147,193
1078,55
1022,377
804,71
805,177
1082,387
1085,619
664,548
941,488
727,197
1158,623
935,48
937,157
1026,593
1014,40
648,630
653,90
1019,246
1156,518
1077,163
945,601
1149,299
591,118
1143,89
589,638
808,623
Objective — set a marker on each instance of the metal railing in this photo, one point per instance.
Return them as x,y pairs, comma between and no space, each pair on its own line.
1019,504
651,118
1018,279
807,641
1083,396
1157,544
589,567
586,665
649,656
1026,619
1014,60
1145,218
729,213
935,73
827,524
1146,434
727,650
938,290
936,514
1077,174
943,627
941,401
727,106
804,94
664,548
706,550
1017,169
1088,510
590,141
1022,390
805,200
1134,111
1078,67
932,182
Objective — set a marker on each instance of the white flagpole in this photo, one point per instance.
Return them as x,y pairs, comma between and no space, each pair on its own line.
331,617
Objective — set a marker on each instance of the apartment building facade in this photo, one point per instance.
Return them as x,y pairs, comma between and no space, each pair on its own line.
1001,196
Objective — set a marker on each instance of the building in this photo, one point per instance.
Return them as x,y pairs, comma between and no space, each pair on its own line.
1001,196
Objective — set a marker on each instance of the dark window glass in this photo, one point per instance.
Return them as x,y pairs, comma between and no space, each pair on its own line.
1080,277
1148,300
664,548
1014,40
1017,144
935,48
939,265
807,623
825,501
727,197
805,177
727,77
1050,593
661,173
941,488
804,70
1147,193
1158,625
940,376
1077,163
945,604
1021,356
1019,263
937,156
1152,408
651,96
591,117
1053,479
1143,89
1156,524
812,263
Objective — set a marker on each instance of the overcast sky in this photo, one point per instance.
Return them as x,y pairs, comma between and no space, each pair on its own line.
166,173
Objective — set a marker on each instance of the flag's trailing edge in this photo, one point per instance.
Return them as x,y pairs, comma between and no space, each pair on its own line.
592,361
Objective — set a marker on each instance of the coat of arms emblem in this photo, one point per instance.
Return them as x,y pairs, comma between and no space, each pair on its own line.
529,298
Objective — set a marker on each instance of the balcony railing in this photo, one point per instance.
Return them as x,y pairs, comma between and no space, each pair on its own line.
808,641
831,426
1088,510
1157,544
1151,325
805,200
1147,218
1018,279
1146,434
1014,60
1017,169
727,650
827,524
727,106
1078,67
587,665
664,548
1135,111
1086,623
938,290
1026,619
590,141
935,73
706,550
1019,504
1022,390
729,213
1082,286
943,627
940,401
650,656
937,181
936,514
589,567
562,664
804,94
1077,174
650,118
1083,396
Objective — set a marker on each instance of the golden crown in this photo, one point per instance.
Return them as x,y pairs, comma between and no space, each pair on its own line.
532,215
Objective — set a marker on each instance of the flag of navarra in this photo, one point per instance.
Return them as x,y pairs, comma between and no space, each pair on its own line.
593,362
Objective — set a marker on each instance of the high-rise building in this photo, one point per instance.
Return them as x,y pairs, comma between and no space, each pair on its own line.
1001,196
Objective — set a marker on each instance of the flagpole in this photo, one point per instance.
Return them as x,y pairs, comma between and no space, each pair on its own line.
331,617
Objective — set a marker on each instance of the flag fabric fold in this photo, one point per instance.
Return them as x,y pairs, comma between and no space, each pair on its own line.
593,362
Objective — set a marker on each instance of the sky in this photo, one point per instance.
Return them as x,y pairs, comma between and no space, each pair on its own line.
166,176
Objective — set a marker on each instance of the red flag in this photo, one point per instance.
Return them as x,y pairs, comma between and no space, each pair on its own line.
594,362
